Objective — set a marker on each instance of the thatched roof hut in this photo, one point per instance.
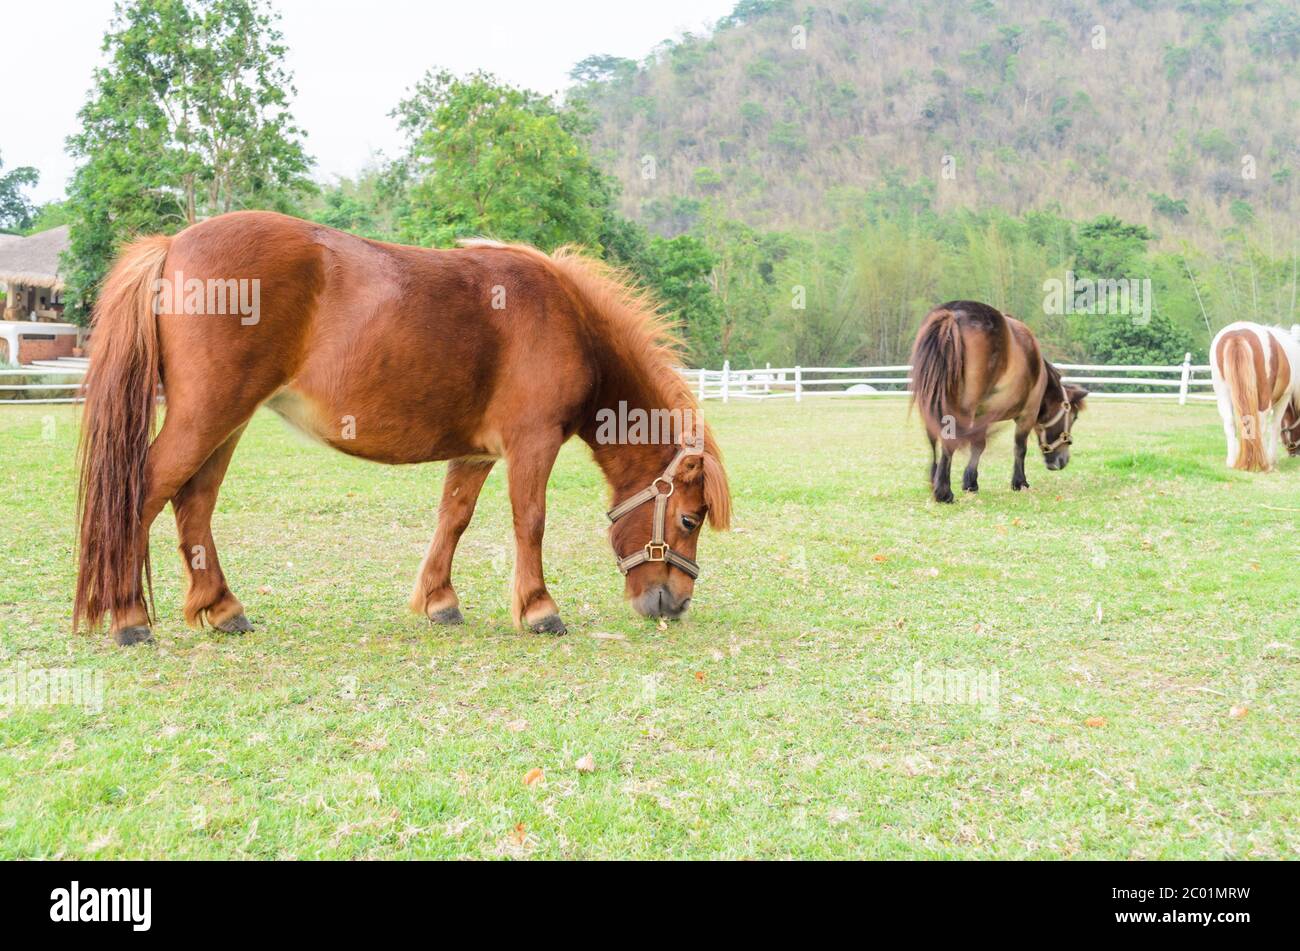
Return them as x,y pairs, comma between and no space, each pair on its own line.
29,269
33,261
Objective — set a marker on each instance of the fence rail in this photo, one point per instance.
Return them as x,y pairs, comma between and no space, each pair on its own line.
36,379
1185,382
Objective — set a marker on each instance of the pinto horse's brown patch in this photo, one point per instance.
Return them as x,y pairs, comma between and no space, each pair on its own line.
390,353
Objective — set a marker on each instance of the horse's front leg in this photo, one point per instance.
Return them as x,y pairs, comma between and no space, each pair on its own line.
970,479
434,596
529,464
1018,480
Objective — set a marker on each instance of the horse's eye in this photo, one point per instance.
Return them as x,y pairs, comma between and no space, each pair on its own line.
689,524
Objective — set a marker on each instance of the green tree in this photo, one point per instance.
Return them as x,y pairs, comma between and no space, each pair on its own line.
1110,248
743,280
679,271
49,215
189,118
1121,340
489,159
16,210
363,205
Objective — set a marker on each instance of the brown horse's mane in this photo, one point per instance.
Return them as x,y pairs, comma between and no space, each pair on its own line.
643,341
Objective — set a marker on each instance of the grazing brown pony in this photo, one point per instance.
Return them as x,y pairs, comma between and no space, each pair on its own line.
973,366
1291,430
393,354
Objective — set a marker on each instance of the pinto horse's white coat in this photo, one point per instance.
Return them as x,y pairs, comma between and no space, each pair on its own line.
1280,350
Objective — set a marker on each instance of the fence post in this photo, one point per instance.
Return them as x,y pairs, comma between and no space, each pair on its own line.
767,379
798,384
701,384
726,381
1186,378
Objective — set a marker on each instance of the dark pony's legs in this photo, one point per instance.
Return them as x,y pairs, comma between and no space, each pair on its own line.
970,480
941,481
434,596
1018,480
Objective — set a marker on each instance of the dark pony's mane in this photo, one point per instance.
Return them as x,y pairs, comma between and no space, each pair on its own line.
1054,384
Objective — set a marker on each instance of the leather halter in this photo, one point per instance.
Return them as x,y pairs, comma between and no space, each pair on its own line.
1293,431
656,549
1063,413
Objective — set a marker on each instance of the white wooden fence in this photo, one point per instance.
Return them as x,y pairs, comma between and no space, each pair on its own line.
1185,382
48,388
59,383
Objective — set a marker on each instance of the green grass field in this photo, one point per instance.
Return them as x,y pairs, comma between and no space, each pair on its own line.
1139,612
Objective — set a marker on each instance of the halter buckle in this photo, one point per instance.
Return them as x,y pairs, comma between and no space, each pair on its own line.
656,551
672,487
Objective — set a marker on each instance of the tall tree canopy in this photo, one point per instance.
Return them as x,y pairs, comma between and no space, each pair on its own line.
190,118
489,159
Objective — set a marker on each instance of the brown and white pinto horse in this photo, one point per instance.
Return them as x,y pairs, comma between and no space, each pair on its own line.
393,354
1256,375
972,367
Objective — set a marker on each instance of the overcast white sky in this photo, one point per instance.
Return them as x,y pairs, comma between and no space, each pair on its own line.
352,60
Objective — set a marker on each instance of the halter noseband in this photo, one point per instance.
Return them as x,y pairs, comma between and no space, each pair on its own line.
656,549
1062,440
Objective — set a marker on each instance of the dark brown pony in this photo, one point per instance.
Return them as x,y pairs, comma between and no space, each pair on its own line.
393,354
972,367
1291,430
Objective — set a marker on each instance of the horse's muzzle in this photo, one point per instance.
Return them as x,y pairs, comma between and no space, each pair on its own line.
659,601
1057,461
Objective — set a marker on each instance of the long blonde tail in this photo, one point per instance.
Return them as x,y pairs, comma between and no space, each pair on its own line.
1243,391
117,425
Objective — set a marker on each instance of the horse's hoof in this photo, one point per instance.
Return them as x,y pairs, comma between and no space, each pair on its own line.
448,616
239,624
971,486
551,624
130,636
1017,486
943,495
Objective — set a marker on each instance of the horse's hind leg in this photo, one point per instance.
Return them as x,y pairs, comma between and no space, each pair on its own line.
208,597
203,417
970,479
175,456
1275,435
941,483
433,595
1229,425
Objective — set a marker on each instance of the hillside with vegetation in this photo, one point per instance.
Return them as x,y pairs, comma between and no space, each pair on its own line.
1176,114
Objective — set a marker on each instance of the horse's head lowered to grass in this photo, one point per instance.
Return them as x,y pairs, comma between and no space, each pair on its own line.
655,530
1061,406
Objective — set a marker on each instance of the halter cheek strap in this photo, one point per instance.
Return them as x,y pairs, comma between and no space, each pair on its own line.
656,549
1062,440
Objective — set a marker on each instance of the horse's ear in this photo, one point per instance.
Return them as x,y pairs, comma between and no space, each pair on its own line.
691,468
1077,395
